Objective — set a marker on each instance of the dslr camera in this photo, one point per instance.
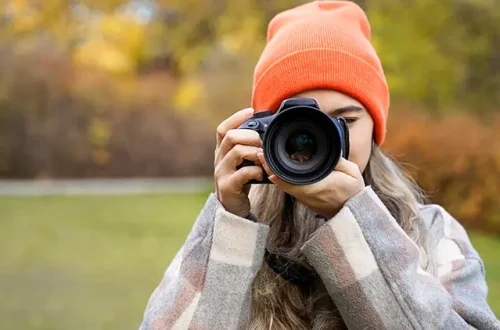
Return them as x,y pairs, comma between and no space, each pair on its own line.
301,143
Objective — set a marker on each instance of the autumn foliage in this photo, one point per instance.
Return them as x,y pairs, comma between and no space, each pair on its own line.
52,126
118,88
455,158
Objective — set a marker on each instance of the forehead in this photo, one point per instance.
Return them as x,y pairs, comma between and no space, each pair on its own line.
330,99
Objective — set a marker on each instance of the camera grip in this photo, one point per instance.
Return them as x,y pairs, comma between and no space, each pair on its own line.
250,163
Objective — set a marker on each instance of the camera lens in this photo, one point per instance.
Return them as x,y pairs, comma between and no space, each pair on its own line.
300,146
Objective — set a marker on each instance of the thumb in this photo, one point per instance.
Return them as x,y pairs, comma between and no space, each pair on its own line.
348,167
285,186
266,167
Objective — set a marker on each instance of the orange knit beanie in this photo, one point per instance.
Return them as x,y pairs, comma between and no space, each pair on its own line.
322,45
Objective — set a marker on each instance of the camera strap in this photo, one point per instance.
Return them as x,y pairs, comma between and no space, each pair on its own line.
288,269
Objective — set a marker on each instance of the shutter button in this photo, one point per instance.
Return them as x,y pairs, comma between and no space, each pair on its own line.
252,124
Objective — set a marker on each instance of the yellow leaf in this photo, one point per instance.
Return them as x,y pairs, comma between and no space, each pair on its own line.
189,93
125,32
104,56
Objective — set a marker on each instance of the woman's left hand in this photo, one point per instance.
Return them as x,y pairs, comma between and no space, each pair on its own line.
329,195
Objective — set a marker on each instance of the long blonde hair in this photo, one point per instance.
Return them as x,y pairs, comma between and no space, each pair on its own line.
277,304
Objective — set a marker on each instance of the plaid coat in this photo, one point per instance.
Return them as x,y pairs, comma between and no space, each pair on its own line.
369,265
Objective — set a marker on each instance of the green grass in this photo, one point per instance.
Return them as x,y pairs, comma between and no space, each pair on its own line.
488,248
92,262
86,262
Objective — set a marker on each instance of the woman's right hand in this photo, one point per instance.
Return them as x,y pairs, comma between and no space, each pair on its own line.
233,146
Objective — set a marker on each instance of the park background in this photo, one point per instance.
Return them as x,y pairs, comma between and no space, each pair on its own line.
117,89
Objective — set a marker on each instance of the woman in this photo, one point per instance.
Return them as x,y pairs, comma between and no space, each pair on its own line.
376,258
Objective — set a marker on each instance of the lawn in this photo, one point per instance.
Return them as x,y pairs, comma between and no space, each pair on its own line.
92,262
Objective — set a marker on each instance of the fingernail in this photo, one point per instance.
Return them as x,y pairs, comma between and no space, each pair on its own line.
248,111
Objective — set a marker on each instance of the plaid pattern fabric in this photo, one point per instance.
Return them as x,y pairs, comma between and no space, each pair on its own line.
369,265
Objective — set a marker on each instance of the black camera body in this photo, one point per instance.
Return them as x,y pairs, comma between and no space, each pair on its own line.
301,143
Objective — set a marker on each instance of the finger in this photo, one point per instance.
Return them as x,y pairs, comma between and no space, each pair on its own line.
235,157
348,167
285,186
234,137
245,174
234,121
266,167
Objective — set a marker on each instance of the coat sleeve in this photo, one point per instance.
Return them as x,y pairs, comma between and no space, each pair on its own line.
208,283
370,268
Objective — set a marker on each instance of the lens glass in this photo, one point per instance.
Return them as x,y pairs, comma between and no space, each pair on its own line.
300,146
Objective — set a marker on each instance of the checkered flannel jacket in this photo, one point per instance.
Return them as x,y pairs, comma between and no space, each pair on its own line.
369,265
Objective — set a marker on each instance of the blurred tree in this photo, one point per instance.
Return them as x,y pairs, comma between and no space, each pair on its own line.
59,19
440,54
114,44
434,51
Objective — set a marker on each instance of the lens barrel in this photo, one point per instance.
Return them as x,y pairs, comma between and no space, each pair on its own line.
303,145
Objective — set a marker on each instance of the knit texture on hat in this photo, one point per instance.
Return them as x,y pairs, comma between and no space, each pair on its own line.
322,45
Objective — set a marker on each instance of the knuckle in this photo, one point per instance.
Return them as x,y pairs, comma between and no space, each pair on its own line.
232,135
238,150
220,131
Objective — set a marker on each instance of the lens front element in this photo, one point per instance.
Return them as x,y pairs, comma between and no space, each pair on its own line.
300,146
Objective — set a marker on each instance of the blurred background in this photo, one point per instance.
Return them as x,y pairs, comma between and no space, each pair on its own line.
117,89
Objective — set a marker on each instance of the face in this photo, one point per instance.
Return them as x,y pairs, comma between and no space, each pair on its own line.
359,121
